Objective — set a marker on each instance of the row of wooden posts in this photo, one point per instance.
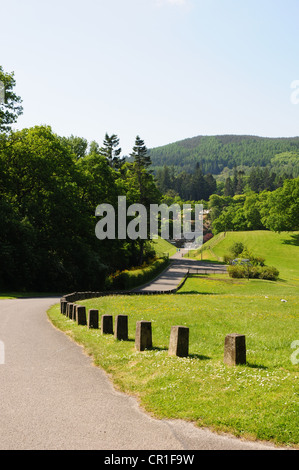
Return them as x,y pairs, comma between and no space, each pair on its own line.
234,345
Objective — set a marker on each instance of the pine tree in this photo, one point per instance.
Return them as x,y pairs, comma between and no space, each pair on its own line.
229,187
148,193
140,154
111,151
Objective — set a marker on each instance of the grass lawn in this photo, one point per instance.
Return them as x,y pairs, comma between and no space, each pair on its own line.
256,401
279,249
162,246
19,295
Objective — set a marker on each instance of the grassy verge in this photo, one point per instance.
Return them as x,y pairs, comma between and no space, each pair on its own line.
162,246
256,401
278,249
19,295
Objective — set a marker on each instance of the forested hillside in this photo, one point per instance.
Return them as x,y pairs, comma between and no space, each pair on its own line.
216,153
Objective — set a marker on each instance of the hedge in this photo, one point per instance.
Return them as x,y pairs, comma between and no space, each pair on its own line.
135,277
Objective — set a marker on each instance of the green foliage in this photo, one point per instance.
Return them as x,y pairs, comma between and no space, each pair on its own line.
215,153
10,107
77,145
280,209
193,186
49,190
134,277
111,150
268,273
48,237
277,210
236,249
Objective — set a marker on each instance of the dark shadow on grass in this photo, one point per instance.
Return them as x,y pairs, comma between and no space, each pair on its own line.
196,292
200,357
256,366
294,240
157,348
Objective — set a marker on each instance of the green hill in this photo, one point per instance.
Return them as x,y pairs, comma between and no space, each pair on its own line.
215,153
278,249
163,247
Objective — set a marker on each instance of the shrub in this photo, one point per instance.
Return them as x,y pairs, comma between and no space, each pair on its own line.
227,259
257,260
239,271
128,279
236,249
270,273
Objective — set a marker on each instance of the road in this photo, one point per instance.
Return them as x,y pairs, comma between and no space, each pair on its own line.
53,397
177,270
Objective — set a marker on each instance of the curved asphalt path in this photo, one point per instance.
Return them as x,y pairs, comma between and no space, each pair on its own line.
171,277
52,397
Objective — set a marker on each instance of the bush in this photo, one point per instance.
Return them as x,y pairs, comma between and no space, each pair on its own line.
128,279
257,260
237,271
236,249
268,273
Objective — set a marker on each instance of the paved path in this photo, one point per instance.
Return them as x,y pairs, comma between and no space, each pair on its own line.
52,397
175,273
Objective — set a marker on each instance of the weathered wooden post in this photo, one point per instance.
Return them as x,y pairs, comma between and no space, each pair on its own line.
179,341
93,319
121,327
81,315
107,325
235,350
143,337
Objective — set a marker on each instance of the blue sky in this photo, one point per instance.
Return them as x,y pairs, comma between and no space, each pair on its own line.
163,69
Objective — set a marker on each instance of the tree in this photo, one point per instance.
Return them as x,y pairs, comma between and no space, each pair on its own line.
111,150
141,184
77,145
141,163
237,248
140,154
10,103
198,184
252,211
280,208
47,217
228,187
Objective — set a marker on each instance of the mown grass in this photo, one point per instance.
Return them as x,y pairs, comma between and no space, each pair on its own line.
20,295
163,246
279,249
256,401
